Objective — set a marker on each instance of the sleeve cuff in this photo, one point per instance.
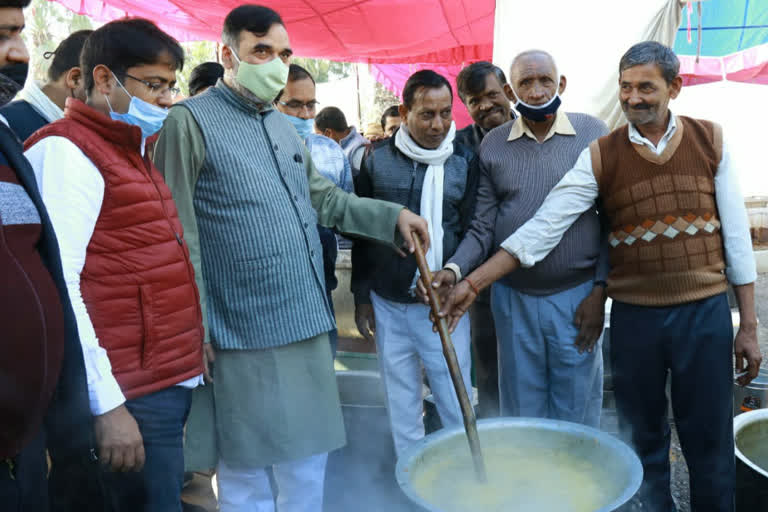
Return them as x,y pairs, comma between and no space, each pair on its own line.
744,274
105,395
456,270
514,246
362,297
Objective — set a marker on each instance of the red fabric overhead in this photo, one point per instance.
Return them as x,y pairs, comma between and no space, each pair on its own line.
384,31
394,76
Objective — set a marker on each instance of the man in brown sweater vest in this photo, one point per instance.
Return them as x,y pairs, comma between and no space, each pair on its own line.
679,235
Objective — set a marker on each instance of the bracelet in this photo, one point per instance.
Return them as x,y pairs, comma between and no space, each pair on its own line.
472,285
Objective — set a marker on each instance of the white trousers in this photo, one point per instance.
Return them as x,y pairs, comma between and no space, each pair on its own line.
299,487
405,341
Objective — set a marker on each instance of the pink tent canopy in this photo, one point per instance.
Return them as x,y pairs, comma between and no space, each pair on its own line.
394,76
750,65
382,31
399,36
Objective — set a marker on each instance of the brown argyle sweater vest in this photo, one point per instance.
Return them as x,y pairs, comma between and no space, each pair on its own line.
665,240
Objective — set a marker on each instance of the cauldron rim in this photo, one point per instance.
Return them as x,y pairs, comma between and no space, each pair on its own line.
741,422
622,449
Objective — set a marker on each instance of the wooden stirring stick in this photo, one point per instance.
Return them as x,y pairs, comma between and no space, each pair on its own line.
470,422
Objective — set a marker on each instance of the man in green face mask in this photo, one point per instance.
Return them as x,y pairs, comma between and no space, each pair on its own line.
249,198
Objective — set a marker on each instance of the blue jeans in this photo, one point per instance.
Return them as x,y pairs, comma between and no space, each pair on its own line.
23,484
157,488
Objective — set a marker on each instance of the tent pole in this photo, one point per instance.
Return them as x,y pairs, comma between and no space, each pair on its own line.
359,109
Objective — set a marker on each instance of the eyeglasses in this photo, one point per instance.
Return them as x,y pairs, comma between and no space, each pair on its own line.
298,105
157,88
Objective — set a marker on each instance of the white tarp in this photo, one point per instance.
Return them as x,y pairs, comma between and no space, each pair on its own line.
587,38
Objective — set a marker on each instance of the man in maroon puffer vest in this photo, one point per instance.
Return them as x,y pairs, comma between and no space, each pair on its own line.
125,262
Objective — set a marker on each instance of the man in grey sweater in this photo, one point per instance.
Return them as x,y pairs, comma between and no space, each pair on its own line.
549,318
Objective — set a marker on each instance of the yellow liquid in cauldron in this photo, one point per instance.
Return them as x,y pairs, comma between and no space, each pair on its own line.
517,482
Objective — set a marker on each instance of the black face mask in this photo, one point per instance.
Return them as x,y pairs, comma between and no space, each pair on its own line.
539,113
12,79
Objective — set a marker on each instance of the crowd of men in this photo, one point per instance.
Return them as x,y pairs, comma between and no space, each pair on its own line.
145,242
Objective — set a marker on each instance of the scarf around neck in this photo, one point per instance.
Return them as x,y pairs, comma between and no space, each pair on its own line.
431,205
34,95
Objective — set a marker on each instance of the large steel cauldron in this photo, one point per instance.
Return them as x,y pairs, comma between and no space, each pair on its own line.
533,465
750,431
360,476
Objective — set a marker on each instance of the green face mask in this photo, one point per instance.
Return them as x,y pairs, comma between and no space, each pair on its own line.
266,80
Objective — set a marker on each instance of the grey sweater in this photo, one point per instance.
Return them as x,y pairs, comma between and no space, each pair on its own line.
515,178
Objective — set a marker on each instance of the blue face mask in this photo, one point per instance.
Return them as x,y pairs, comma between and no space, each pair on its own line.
304,127
539,113
146,116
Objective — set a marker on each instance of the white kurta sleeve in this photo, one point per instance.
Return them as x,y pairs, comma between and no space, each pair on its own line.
73,190
740,265
573,195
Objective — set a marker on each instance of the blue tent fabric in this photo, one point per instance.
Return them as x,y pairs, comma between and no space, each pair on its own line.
728,26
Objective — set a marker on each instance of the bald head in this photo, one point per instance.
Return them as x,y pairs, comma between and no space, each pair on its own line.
526,59
534,77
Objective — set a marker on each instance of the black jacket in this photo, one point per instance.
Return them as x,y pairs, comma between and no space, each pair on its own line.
387,174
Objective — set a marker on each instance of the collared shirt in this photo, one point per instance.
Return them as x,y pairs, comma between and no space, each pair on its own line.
562,126
330,160
578,190
33,94
72,189
354,147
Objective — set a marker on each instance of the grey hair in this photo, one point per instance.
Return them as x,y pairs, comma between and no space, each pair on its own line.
531,53
651,52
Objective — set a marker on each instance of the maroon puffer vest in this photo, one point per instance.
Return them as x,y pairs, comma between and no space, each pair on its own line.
138,282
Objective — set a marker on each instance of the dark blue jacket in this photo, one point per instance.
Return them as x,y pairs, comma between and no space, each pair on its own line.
23,118
387,174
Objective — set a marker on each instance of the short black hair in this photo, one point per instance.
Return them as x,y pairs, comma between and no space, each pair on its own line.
426,78
296,73
125,43
253,18
393,111
651,52
471,79
204,75
333,118
67,55
21,4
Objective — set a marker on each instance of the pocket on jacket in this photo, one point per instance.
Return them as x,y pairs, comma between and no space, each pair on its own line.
148,342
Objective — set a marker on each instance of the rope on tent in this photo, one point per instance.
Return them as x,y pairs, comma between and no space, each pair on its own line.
698,46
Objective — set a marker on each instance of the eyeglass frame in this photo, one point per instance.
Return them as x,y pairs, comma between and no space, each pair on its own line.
312,107
153,88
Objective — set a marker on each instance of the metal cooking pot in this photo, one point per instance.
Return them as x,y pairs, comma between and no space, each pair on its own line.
750,433
363,470
753,396
612,463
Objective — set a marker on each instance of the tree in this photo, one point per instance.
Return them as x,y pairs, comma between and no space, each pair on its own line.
48,23
325,70
194,54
